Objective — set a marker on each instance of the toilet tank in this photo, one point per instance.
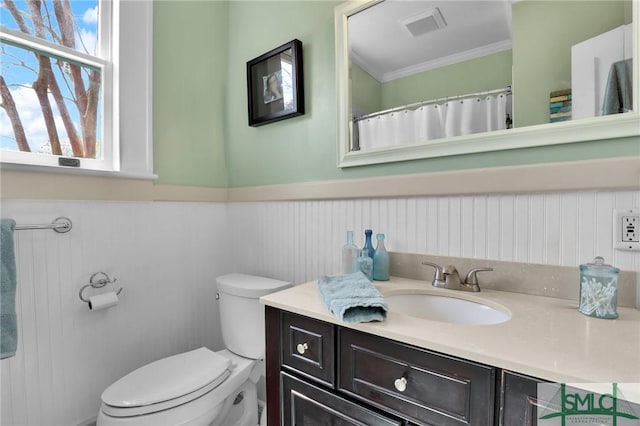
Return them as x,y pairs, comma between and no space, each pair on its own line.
241,314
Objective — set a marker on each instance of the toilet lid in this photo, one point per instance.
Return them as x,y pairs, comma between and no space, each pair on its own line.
168,378
251,286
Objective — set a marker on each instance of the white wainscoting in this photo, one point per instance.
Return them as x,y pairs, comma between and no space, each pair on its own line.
300,240
166,257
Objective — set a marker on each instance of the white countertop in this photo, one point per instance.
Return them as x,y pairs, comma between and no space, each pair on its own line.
546,338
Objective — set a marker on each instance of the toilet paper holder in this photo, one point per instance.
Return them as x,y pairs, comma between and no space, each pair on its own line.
97,280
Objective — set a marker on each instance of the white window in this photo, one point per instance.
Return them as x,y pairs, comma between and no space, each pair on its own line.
63,70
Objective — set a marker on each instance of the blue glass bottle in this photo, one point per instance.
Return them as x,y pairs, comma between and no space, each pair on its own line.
368,247
365,264
350,253
380,260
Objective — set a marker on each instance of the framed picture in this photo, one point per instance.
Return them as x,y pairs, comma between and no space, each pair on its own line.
275,85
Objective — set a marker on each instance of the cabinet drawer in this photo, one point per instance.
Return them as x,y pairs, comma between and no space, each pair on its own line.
304,404
308,347
426,387
518,400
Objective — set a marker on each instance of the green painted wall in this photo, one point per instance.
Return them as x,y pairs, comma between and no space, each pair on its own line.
366,91
543,33
300,148
189,91
475,75
200,102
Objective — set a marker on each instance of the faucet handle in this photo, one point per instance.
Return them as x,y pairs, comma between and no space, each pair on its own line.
435,265
449,270
438,276
471,278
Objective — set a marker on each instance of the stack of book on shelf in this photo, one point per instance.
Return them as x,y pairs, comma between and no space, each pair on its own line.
560,106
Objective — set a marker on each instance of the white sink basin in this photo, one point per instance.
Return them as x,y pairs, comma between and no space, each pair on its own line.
445,309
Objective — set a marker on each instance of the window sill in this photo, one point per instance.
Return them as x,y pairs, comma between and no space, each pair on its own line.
78,172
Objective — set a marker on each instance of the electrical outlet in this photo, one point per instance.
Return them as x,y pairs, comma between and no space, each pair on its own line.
630,229
626,229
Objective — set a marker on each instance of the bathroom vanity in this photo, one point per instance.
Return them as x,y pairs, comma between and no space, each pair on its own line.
408,370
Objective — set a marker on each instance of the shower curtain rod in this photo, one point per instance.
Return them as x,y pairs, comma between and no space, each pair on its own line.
506,90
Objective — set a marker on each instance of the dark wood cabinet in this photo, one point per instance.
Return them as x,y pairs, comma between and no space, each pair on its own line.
518,400
521,403
420,385
319,373
324,374
308,347
308,404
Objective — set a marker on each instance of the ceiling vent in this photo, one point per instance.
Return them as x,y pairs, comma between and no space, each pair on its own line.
424,22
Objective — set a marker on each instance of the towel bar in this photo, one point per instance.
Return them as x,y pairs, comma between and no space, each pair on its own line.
60,225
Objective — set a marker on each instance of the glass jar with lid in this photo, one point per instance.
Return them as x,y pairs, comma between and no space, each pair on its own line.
599,289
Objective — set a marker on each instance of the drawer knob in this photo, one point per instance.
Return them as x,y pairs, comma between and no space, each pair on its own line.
302,348
401,384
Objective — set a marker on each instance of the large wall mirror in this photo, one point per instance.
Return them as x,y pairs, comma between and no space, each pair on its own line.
429,78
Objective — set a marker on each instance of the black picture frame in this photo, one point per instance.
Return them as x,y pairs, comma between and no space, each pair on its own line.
275,85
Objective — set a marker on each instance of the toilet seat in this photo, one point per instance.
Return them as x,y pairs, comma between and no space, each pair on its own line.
166,383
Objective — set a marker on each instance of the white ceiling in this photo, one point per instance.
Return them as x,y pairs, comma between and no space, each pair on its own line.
381,45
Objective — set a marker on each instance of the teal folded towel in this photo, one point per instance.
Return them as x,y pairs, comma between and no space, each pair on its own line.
352,298
618,95
8,322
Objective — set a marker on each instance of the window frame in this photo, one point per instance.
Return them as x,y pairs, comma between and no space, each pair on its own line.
126,68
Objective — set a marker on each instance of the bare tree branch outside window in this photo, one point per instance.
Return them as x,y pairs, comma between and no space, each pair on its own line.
65,119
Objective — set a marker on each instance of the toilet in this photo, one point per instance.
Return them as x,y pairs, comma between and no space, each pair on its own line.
202,387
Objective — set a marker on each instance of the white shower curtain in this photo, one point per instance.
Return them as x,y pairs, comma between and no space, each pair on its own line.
433,121
377,132
427,123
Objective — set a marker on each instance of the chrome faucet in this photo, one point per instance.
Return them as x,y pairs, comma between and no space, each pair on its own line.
448,277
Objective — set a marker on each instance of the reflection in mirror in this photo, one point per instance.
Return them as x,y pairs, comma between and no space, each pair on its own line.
286,79
426,70
277,83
